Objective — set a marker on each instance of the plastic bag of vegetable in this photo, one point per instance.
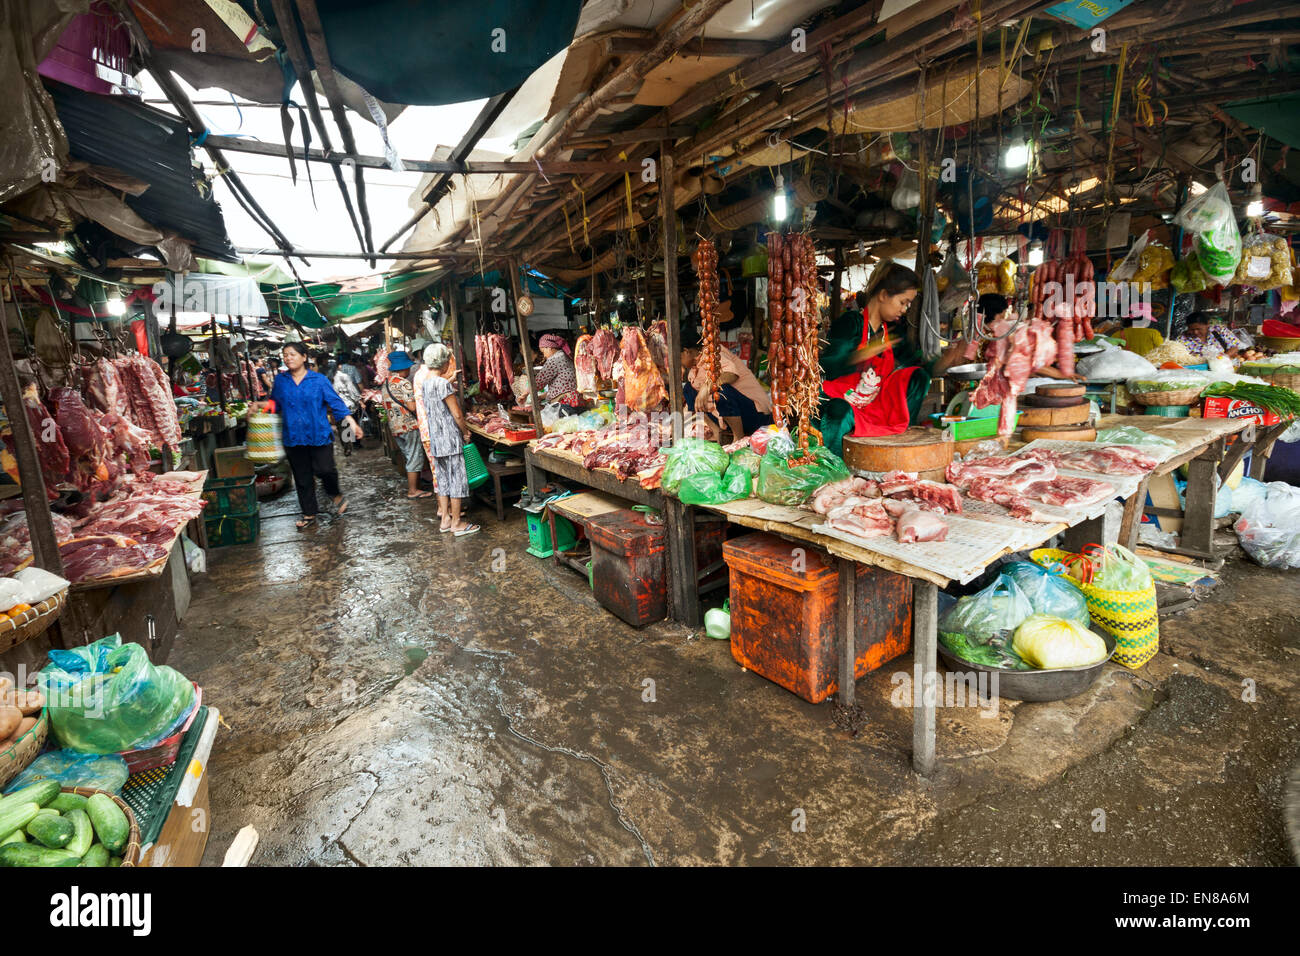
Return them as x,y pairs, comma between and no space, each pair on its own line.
997,610
1049,593
746,458
709,488
1048,642
1210,218
691,456
1269,528
1265,262
108,696
1116,568
779,483
1128,435
73,769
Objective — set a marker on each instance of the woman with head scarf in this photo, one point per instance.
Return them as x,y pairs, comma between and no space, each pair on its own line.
304,399
448,434
556,377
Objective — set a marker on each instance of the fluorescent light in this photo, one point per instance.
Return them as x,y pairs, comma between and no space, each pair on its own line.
1018,151
1255,209
1035,254
619,297
1195,189
116,307
778,203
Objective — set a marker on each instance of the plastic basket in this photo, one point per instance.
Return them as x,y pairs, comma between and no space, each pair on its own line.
1169,411
1131,617
226,496
226,530
151,793
539,534
163,753
475,470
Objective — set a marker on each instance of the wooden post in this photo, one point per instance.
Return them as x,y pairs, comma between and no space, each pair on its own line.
672,312
525,345
846,624
925,641
1131,524
1198,515
457,349
45,546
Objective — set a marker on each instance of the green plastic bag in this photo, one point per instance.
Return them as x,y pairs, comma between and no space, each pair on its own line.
981,627
780,484
692,456
108,696
707,488
1052,594
747,458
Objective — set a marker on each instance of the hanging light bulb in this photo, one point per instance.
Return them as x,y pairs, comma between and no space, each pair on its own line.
116,306
1256,207
619,297
778,202
1035,253
1017,154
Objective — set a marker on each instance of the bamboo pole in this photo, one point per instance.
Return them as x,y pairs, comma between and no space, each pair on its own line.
672,313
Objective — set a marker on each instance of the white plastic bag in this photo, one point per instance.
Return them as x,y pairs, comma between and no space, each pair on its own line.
1114,365
11,593
1210,218
1128,266
1269,529
39,585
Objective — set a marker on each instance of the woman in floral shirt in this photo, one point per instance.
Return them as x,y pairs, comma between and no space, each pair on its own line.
556,377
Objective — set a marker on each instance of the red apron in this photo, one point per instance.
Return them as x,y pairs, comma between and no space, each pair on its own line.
877,392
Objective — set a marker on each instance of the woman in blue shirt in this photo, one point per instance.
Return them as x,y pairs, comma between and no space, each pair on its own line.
302,398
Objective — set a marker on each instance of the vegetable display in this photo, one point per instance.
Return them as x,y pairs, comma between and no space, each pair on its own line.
42,826
1274,398
705,259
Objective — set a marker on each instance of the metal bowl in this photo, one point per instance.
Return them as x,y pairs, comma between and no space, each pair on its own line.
1056,684
968,373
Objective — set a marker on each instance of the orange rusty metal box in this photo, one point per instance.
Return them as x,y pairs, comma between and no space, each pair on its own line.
783,600
628,573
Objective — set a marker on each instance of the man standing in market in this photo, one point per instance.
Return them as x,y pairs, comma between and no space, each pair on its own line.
743,404
399,401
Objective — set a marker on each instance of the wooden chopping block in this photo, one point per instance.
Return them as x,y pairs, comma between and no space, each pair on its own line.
1064,390
1034,400
1046,417
1060,433
917,449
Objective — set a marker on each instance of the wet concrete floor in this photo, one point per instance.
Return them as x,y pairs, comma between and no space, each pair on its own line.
397,696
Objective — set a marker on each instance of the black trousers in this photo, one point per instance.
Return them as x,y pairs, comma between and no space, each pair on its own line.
310,462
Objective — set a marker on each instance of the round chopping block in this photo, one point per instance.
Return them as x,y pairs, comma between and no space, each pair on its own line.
917,449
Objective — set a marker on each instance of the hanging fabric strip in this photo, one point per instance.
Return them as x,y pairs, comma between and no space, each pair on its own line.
568,229
377,114
577,184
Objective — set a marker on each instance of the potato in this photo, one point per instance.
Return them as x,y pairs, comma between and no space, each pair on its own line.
10,718
27,724
6,686
29,702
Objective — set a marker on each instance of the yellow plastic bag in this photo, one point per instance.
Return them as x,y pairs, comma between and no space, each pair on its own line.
1050,642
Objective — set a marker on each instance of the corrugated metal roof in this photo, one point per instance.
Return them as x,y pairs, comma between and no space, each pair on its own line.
152,146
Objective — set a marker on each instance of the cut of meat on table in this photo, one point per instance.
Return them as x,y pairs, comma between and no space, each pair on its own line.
831,496
1104,459
899,484
16,540
918,525
962,473
143,512
1021,479
863,517
1062,491
102,559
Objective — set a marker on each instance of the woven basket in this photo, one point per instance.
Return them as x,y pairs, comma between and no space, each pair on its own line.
1183,396
30,623
24,750
1289,380
130,852
1131,617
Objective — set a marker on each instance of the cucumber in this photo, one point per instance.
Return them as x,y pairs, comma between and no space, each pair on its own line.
47,812
97,855
68,801
109,822
15,816
18,836
29,854
54,832
40,793
83,836
114,860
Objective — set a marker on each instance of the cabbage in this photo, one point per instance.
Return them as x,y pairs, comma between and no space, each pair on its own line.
1052,642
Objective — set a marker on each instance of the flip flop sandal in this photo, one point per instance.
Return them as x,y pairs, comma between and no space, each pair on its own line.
471,529
442,530
341,509
305,523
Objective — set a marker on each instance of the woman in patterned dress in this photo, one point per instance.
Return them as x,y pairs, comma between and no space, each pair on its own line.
448,434
556,377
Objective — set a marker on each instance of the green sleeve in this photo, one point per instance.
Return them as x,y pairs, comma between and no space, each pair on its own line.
844,337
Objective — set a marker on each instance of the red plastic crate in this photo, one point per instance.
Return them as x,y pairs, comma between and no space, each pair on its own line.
164,753
521,434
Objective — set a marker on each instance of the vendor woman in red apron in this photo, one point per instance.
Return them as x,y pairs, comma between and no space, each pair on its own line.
873,381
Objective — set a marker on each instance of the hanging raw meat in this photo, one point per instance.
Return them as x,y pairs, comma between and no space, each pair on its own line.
642,386
88,446
584,364
51,451
103,386
150,400
604,349
1012,358
495,371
